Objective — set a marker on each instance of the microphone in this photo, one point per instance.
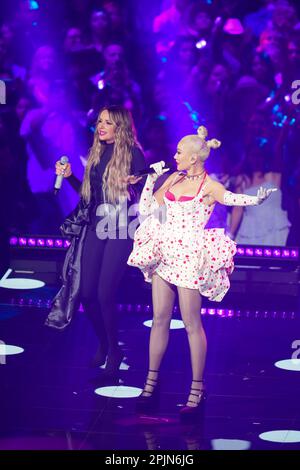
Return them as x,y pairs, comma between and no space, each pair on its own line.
59,178
149,171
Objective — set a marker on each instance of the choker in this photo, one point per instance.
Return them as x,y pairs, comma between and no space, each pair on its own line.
194,177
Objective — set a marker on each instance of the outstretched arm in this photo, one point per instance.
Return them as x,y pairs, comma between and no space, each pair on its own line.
221,195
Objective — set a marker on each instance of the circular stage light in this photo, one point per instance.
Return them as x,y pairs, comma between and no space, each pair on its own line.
119,391
289,364
175,324
9,350
21,283
230,444
284,436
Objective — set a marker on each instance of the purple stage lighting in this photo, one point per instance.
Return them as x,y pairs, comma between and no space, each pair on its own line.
242,250
22,241
267,252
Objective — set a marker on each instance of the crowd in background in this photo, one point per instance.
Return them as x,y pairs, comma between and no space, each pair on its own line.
176,64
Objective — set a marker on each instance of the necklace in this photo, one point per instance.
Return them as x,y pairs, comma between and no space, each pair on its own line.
194,177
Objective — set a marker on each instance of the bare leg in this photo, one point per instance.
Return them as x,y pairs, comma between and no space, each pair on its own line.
163,297
190,306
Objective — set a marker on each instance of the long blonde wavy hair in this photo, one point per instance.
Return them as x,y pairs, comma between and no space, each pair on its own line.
118,168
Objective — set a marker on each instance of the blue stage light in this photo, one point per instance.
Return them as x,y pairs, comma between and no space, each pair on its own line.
288,364
284,436
118,391
10,350
33,5
230,444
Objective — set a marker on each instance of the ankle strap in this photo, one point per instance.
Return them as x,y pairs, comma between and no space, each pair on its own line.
152,380
151,370
199,381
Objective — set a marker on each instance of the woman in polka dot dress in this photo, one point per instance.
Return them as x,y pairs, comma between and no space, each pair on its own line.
175,252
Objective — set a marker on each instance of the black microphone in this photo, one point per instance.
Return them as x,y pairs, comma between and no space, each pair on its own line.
59,178
149,171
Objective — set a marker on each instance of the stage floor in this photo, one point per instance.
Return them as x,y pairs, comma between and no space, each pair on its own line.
48,398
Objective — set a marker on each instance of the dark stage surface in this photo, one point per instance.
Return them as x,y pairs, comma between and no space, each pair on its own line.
48,399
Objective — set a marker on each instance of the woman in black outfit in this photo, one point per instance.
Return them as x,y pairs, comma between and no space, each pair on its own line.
114,155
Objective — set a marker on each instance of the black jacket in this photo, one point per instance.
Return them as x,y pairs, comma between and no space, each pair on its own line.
66,302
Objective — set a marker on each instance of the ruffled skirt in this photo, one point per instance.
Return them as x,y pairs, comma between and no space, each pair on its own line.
204,262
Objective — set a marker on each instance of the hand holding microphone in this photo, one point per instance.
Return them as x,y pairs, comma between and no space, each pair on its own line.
62,170
155,170
159,168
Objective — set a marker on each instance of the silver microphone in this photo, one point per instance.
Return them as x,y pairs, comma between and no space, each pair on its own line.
59,178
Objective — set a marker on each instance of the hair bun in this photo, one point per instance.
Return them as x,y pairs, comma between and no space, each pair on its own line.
202,132
213,143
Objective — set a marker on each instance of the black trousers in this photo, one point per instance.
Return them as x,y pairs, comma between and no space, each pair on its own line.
103,266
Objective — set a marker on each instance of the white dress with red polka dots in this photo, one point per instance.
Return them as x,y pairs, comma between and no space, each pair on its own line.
181,251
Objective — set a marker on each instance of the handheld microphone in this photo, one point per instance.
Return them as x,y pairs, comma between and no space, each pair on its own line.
150,171
59,178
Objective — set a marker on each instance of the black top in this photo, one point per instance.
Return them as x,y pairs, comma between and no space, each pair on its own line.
96,175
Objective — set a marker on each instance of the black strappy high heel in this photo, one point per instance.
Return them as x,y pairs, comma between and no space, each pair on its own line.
149,399
190,412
